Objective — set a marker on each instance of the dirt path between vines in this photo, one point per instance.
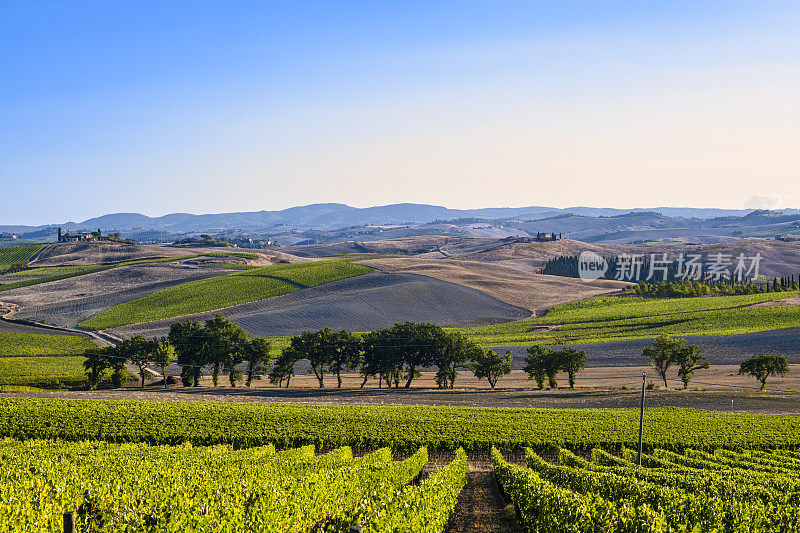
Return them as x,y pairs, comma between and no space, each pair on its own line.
481,508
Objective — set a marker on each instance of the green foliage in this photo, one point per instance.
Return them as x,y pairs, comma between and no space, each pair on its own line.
224,291
35,344
764,365
725,491
42,371
327,352
544,362
666,351
419,508
549,508
487,364
124,487
688,288
312,273
13,256
613,318
402,428
190,298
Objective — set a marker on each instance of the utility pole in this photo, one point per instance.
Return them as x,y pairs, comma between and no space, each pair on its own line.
641,424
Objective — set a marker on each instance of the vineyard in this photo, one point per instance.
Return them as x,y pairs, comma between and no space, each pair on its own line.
189,298
132,487
18,255
401,428
224,291
694,491
35,344
311,274
152,466
43,371
614,318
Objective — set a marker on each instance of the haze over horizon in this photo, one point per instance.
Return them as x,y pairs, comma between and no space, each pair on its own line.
160,108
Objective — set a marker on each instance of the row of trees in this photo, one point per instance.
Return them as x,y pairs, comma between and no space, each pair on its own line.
111,360
543,362
218,343
392,355
666,352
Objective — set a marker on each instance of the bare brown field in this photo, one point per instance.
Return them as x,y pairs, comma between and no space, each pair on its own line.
778,258
596,388
69,301
535,292
86,253
795,300
360,303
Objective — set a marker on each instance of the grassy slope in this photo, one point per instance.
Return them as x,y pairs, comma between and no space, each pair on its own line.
12,255
407,428
34,344
224,291
610,318
42,371
311,274
38,360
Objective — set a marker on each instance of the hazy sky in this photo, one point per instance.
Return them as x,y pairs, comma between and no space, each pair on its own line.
173,106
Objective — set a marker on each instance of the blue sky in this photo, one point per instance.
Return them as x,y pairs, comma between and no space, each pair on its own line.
158,107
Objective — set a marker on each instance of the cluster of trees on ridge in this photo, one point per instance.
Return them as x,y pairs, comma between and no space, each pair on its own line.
390,355
687,288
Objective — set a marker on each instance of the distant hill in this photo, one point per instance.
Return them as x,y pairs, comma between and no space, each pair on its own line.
332,222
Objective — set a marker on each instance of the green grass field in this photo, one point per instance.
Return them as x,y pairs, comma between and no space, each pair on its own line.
232,266
243,255
613,318
311,274
224,291
42,371
14,255
34,344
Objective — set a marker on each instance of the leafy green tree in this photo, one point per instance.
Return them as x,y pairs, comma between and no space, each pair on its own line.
189,341
420,345
344,353
764,365
571,361
456,352
690,361
283,369
382,357
139,351
663,353
163,356
224,343
258,357
97,365
487,364
312,346
536,363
